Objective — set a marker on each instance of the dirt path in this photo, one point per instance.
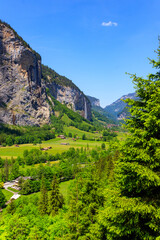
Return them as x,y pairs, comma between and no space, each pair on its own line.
11,184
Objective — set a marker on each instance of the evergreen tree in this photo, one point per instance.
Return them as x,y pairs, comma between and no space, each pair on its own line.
6,170
85,200
11,208
43,200
2,199
56,200
132,209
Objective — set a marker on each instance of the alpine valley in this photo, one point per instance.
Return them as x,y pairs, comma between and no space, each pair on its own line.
28,87
68,169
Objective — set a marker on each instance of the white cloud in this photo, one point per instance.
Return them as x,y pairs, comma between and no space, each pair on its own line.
109,24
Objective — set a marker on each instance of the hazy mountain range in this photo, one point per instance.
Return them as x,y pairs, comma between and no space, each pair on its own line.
115,111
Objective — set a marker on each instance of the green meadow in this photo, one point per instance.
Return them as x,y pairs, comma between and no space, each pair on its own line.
56,144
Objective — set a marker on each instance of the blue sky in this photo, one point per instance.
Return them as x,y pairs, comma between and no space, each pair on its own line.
92,42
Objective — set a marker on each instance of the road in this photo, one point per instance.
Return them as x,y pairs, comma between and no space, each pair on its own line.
11,184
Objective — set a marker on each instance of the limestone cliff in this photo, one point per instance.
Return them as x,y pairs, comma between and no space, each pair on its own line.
66,92
23,97
95,102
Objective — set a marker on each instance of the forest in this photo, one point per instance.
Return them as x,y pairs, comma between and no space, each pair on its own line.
90,193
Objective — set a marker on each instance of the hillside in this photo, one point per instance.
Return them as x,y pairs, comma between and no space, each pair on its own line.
26,84
118,108
99,114
94,101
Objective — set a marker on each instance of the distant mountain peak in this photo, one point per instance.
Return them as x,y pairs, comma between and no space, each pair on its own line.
95,102
118,108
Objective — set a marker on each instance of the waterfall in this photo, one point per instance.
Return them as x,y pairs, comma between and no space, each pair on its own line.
85,109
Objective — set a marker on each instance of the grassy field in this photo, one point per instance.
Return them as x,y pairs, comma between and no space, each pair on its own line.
57,143
7,194
64,187
79,133
8,152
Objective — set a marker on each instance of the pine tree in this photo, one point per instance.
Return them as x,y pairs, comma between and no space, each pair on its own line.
2,199
56,200
43,200
11,208
85,199
132,209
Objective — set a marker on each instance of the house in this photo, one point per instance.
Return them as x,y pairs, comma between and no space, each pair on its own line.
61,136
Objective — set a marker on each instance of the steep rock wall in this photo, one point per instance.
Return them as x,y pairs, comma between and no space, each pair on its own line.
95,102
73,98
22,95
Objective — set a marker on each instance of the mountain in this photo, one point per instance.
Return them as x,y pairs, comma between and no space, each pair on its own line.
98,113
118,108
28,87
95,102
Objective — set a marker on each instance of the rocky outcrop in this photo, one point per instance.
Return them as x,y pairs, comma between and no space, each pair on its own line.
95,102
118,108
73,98
23,97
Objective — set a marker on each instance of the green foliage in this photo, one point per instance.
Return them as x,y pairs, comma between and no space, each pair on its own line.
69,134
2,199
49,76
43,200
56,200
132,209
103,116
103,146
73,118
11,208
18,228
10,135
84,136
98,116
85,199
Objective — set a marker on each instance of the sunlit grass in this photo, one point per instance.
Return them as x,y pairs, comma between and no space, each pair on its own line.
7,194
8,152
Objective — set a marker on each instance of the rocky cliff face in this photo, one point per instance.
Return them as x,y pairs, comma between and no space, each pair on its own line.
22,96
95,102
118,108
66,92
22,93
72,98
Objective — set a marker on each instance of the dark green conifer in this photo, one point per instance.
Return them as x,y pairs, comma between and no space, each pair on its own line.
43,200
56,200
85,199
132,208
11,208
2,199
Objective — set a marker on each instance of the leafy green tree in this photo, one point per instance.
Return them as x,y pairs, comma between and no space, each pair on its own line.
18,228
36,234
11,208
85,200
43,200
132,209
6,170
84,137
69,134
15,170
103,146
9,141
2,199
56,199
26,187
